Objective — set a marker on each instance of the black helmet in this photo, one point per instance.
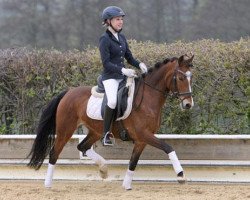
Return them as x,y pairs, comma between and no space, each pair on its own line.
112,11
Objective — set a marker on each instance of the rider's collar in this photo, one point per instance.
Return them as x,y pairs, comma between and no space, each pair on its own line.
114,33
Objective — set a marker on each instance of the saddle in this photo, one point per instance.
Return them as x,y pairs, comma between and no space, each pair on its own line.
122,97
98,101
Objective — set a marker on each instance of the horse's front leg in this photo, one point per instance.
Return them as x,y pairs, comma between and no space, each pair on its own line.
85,147
138,148
155,142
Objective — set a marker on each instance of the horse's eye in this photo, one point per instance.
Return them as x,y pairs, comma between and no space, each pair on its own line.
181,78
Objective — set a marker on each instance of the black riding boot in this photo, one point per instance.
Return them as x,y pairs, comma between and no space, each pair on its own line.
108,119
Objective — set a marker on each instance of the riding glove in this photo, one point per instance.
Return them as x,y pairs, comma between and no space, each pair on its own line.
128,72
143,67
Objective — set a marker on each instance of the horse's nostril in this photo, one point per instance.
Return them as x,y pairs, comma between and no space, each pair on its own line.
188,105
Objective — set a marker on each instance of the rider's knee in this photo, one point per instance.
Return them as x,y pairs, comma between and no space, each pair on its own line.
112,104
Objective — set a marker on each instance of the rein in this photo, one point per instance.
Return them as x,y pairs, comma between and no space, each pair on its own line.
164,93
141,80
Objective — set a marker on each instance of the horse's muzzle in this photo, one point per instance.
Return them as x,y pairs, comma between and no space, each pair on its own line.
187,103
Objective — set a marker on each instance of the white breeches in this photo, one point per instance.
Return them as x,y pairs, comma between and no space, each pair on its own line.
111,88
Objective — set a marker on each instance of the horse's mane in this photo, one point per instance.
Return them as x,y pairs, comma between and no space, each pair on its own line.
159,64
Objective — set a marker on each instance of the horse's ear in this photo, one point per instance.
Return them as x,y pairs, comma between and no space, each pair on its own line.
190,59
180,59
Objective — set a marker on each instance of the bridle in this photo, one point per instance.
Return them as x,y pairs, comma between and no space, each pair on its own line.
175,93
166,93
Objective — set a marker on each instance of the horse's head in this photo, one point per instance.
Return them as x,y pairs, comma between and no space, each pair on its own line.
173,76
182,81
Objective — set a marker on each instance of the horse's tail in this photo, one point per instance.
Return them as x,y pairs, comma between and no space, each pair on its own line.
45,133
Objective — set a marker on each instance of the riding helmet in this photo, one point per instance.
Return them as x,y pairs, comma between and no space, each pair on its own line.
112,11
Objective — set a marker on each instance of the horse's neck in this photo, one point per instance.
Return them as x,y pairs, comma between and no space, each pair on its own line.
161,78
158,87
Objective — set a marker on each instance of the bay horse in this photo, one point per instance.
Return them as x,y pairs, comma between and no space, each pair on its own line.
67,111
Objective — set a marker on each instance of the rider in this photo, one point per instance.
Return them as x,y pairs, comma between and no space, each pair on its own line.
113,49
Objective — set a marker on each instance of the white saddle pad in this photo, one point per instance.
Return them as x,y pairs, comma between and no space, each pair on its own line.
95,102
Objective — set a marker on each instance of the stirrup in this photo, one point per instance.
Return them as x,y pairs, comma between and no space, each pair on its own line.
108,139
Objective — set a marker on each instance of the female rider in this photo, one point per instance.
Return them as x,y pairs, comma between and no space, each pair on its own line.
114,48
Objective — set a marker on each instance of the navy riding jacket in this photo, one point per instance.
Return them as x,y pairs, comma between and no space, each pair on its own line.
113,53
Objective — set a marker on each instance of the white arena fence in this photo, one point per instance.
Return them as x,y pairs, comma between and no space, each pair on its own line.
205,158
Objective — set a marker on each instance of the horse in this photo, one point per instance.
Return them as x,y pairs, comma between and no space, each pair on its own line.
67,111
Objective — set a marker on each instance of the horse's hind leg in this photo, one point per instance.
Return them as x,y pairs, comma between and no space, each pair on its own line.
64,132
138,148
85,147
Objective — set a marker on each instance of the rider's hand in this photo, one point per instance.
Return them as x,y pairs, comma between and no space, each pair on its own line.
143,68
128,72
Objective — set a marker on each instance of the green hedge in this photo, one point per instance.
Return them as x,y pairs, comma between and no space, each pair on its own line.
31,77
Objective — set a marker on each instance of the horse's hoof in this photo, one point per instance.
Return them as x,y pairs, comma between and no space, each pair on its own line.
127,188
181,179
103,171
48,186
